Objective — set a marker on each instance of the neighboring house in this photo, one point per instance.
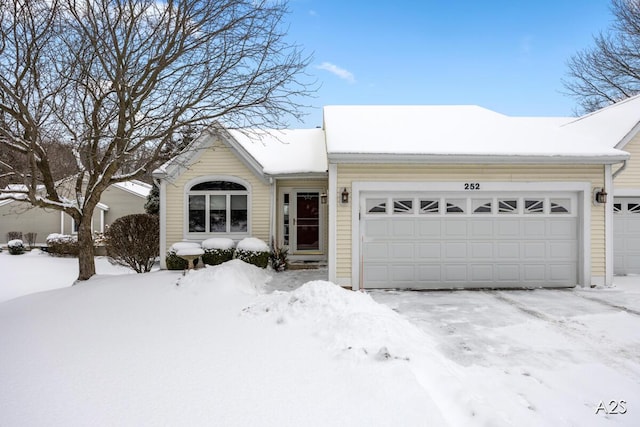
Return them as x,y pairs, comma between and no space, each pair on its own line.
118,200
422,197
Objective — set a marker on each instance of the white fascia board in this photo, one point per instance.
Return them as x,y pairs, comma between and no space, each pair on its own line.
628,137
473,159
128,190
305,175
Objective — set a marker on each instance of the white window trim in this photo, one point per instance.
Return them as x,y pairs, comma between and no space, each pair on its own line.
187,235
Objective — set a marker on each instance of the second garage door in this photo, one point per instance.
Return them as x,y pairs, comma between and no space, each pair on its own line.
626,240
440,241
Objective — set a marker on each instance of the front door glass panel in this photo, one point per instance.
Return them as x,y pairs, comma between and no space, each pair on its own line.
307,221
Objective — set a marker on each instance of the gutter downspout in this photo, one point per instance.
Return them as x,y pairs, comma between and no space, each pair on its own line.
616,173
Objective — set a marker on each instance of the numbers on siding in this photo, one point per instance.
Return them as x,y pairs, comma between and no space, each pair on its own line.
471,185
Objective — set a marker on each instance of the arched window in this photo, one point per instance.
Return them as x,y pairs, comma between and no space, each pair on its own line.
217,207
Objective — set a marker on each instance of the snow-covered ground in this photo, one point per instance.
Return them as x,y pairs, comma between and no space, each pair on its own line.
228,346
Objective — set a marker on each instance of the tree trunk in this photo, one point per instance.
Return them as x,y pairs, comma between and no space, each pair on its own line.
86,261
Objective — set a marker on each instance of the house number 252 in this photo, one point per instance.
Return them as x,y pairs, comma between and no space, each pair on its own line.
471,185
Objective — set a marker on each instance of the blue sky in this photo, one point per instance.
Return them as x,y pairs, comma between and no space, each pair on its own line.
508,56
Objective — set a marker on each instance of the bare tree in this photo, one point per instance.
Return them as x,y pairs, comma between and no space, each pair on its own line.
609,71
119,79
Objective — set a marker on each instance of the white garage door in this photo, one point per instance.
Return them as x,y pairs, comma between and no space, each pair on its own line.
439,241
626,235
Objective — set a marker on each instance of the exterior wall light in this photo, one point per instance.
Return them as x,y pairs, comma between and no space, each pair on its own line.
599,196
323,198
345,196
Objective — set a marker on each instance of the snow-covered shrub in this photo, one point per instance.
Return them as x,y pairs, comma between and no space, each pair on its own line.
173,261
14,235
217,250
134,241
62,245
16,247
279,257
253,251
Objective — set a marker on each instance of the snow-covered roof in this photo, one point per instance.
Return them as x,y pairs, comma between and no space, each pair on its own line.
136,187
614,125
455,131
287,151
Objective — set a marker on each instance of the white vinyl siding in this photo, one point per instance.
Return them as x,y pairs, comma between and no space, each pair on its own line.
217,161
629,178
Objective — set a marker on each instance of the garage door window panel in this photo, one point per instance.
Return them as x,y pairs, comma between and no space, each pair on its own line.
508,206
456,206
429,206
402,206
482,206
560,206
533,206
376,206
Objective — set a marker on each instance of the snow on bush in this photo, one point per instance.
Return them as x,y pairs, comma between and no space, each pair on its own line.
218,243
15,243
55,237
62,245
254,251
217,250
253,244
16,247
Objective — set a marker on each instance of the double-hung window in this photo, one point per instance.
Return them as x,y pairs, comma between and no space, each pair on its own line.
217,207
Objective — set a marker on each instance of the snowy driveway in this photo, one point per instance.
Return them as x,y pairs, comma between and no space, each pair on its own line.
562,351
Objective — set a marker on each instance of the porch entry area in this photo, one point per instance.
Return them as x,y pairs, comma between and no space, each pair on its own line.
302,221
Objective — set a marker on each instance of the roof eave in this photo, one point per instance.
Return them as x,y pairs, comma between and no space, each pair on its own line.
474,158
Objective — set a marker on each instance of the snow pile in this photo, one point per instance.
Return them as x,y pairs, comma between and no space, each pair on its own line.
232,277
222,243
350,323
139,350
252,244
